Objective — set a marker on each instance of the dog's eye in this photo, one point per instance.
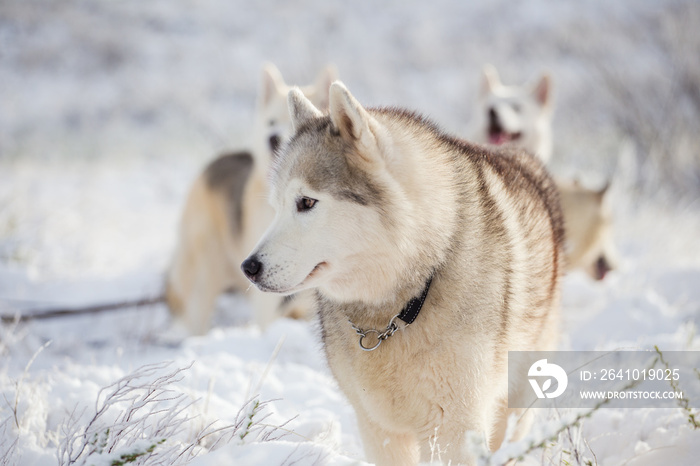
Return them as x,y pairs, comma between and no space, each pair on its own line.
305,203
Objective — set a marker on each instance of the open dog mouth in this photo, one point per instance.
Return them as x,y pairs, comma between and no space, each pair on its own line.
501,137
496,132
320,266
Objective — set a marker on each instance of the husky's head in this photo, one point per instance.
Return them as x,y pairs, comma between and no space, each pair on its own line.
588,220
515,115
335,192
273,125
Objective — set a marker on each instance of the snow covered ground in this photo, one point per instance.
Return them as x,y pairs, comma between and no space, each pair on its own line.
109,109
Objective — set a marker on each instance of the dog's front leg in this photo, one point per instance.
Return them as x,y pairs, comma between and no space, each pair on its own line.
448,445
386,448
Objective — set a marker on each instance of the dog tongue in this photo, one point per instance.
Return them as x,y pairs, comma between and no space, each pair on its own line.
498,138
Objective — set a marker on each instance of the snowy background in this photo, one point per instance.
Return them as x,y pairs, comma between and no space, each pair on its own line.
108,110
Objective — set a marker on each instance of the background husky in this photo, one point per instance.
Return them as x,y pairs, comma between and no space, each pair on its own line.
226,211
515,115
371,203
588,222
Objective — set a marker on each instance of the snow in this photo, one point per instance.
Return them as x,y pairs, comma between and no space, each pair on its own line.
109,109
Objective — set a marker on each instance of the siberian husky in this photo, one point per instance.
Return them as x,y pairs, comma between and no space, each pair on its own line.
226,211
431,259
515,115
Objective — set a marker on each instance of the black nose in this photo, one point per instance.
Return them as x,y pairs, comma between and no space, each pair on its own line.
493,117
274,143
492,114
252,268
494,124
602,268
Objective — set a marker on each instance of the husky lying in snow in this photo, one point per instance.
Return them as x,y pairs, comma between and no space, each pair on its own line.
227,210
521,116
431,259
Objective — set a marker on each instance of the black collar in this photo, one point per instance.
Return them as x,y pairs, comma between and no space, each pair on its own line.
412,309
408,314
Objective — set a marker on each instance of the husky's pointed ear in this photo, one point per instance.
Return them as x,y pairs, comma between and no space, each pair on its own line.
348,116
271,83
602,193
355,124
542,91
490,79
322,85
301,110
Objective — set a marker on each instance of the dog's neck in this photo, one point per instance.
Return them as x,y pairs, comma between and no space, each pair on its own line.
406,305
371,338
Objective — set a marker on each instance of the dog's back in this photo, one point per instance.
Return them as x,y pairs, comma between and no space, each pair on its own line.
522,231
228,175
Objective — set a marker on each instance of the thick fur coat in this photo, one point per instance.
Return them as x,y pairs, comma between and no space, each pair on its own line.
369,204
